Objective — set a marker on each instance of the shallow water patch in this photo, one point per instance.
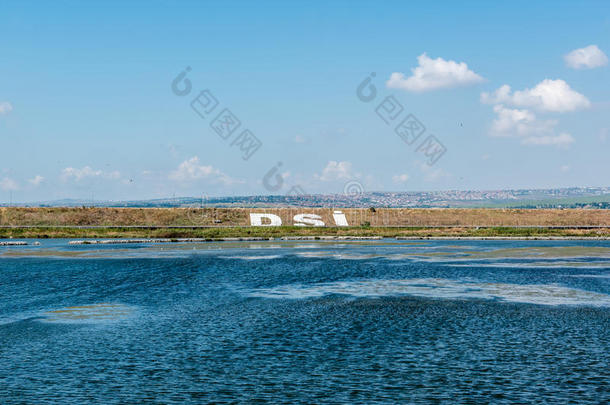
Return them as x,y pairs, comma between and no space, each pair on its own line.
103,312
542,294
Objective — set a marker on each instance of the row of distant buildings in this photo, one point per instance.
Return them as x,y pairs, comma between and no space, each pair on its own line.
452,198
575,197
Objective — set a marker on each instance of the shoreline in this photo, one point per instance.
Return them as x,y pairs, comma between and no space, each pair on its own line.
303,233
314,239
318,238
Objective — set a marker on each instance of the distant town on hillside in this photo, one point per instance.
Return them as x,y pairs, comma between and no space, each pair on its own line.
575,197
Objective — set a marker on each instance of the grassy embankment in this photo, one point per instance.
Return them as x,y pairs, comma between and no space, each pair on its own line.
213,233
233,222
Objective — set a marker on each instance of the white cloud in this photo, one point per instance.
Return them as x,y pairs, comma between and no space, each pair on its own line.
8,184
71,173
548,95
502,95
400,178
565,168
433,174
299,139
525,124
36,180
562,140
5,107
191,170
589,57
518,122
337,171
432,74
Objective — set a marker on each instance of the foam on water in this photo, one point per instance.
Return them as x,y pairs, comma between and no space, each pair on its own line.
338,256
588,275
543,294
536,265
103,312
262,257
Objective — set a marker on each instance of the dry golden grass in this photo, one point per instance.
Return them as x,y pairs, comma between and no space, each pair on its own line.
441,217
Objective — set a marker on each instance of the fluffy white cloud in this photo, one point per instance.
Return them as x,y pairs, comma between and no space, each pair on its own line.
8,184
72,173
191,170
548,95
432,74
5,107
562,140
433,174
336,171
525,125
400,178
510,122
36,180
589,57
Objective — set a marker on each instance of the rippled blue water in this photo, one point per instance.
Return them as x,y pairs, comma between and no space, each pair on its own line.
372,322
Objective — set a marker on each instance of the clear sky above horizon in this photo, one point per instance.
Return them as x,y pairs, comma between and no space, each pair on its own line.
515,94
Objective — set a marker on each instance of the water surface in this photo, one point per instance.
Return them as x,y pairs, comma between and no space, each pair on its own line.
323,322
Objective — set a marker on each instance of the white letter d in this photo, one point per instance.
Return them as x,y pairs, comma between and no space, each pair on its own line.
257,220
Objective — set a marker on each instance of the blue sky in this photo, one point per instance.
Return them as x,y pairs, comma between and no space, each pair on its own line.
87,108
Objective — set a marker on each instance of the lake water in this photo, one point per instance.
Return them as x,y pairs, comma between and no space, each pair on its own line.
310,322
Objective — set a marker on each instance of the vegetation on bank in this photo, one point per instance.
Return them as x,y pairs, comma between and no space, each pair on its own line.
21,222
277,232
376,217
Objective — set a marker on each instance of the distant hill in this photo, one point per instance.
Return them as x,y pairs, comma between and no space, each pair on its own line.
575,197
